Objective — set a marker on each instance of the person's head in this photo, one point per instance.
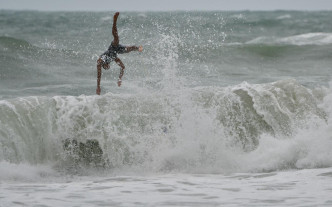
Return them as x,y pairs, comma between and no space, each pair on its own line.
106,66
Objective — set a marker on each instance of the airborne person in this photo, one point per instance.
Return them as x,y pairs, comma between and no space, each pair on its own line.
111,55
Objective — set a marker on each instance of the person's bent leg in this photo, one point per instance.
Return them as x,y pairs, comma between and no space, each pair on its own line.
120,63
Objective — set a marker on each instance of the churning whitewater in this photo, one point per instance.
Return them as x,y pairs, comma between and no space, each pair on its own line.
215,99
264,127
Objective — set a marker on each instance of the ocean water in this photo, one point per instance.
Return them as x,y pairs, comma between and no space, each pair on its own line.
220,109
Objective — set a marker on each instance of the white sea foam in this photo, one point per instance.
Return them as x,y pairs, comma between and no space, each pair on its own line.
286,16
302,39
107,18
292,188
25,172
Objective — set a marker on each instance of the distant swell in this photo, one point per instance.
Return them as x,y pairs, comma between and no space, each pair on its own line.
13,46
10,42
25,61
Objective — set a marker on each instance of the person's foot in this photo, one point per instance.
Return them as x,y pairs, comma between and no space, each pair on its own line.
140,48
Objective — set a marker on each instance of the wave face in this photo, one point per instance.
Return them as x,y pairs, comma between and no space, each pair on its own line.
284,124
212,91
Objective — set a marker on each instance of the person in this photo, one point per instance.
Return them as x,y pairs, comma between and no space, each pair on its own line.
111,54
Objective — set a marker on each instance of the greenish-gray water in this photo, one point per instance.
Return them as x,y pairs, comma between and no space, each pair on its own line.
220,109
214,83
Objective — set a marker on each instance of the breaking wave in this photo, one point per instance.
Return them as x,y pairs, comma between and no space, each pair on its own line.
210,129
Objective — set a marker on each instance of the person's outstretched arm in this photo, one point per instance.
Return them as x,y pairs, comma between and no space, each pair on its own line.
133,48
98,76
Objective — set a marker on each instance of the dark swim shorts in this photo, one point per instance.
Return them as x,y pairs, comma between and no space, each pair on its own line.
106,59
111,54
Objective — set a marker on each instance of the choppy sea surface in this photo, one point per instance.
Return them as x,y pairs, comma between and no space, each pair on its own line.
220,109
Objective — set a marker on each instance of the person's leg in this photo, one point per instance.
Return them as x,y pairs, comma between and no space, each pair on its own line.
115,30
120,63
